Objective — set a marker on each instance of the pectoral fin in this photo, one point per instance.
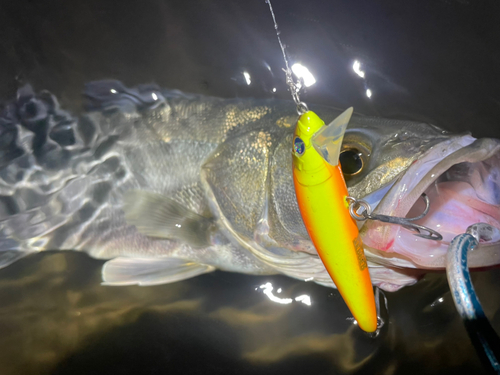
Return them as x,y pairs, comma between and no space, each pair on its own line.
150,271
155,215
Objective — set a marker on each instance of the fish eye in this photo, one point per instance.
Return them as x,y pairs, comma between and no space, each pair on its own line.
299,146
351,161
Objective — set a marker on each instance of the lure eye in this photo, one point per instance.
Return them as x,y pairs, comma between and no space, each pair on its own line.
298,146
351,162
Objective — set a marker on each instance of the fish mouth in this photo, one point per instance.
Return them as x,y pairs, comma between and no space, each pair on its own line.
461,177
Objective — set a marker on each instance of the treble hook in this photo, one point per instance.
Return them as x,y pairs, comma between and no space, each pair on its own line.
424,232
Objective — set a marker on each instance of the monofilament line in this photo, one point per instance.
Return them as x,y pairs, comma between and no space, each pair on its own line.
294,86
288,71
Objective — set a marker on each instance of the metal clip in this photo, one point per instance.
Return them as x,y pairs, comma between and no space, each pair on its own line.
361,210
295,88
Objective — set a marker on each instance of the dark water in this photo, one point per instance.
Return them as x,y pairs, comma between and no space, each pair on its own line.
435,61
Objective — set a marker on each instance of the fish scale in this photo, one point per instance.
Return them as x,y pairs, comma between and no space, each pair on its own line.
227,160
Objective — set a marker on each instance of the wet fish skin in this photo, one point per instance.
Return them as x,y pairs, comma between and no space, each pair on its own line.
63,180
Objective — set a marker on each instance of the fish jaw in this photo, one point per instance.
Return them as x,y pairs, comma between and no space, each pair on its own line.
461,177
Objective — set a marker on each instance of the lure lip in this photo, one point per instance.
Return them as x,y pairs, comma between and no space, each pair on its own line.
327,141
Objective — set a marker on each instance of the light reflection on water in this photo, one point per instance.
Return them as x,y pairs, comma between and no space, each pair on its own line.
56,318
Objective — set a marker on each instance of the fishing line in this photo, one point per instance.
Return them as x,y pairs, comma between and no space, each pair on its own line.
295,86
320,190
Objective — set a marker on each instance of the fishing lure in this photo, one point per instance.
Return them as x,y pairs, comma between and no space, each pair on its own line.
322,197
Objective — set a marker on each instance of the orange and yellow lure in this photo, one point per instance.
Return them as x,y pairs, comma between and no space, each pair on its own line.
321,194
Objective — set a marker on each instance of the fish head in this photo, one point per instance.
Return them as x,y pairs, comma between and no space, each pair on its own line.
376,151
388,163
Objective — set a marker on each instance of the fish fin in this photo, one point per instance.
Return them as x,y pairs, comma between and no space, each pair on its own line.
150,271
155,215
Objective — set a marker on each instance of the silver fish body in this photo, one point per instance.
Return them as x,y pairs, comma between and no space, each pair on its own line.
225,167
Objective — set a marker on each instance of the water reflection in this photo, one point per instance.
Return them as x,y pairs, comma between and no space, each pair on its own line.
302,72
268,288
268,291
439,300
248,79
56,318
356,67
305,299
